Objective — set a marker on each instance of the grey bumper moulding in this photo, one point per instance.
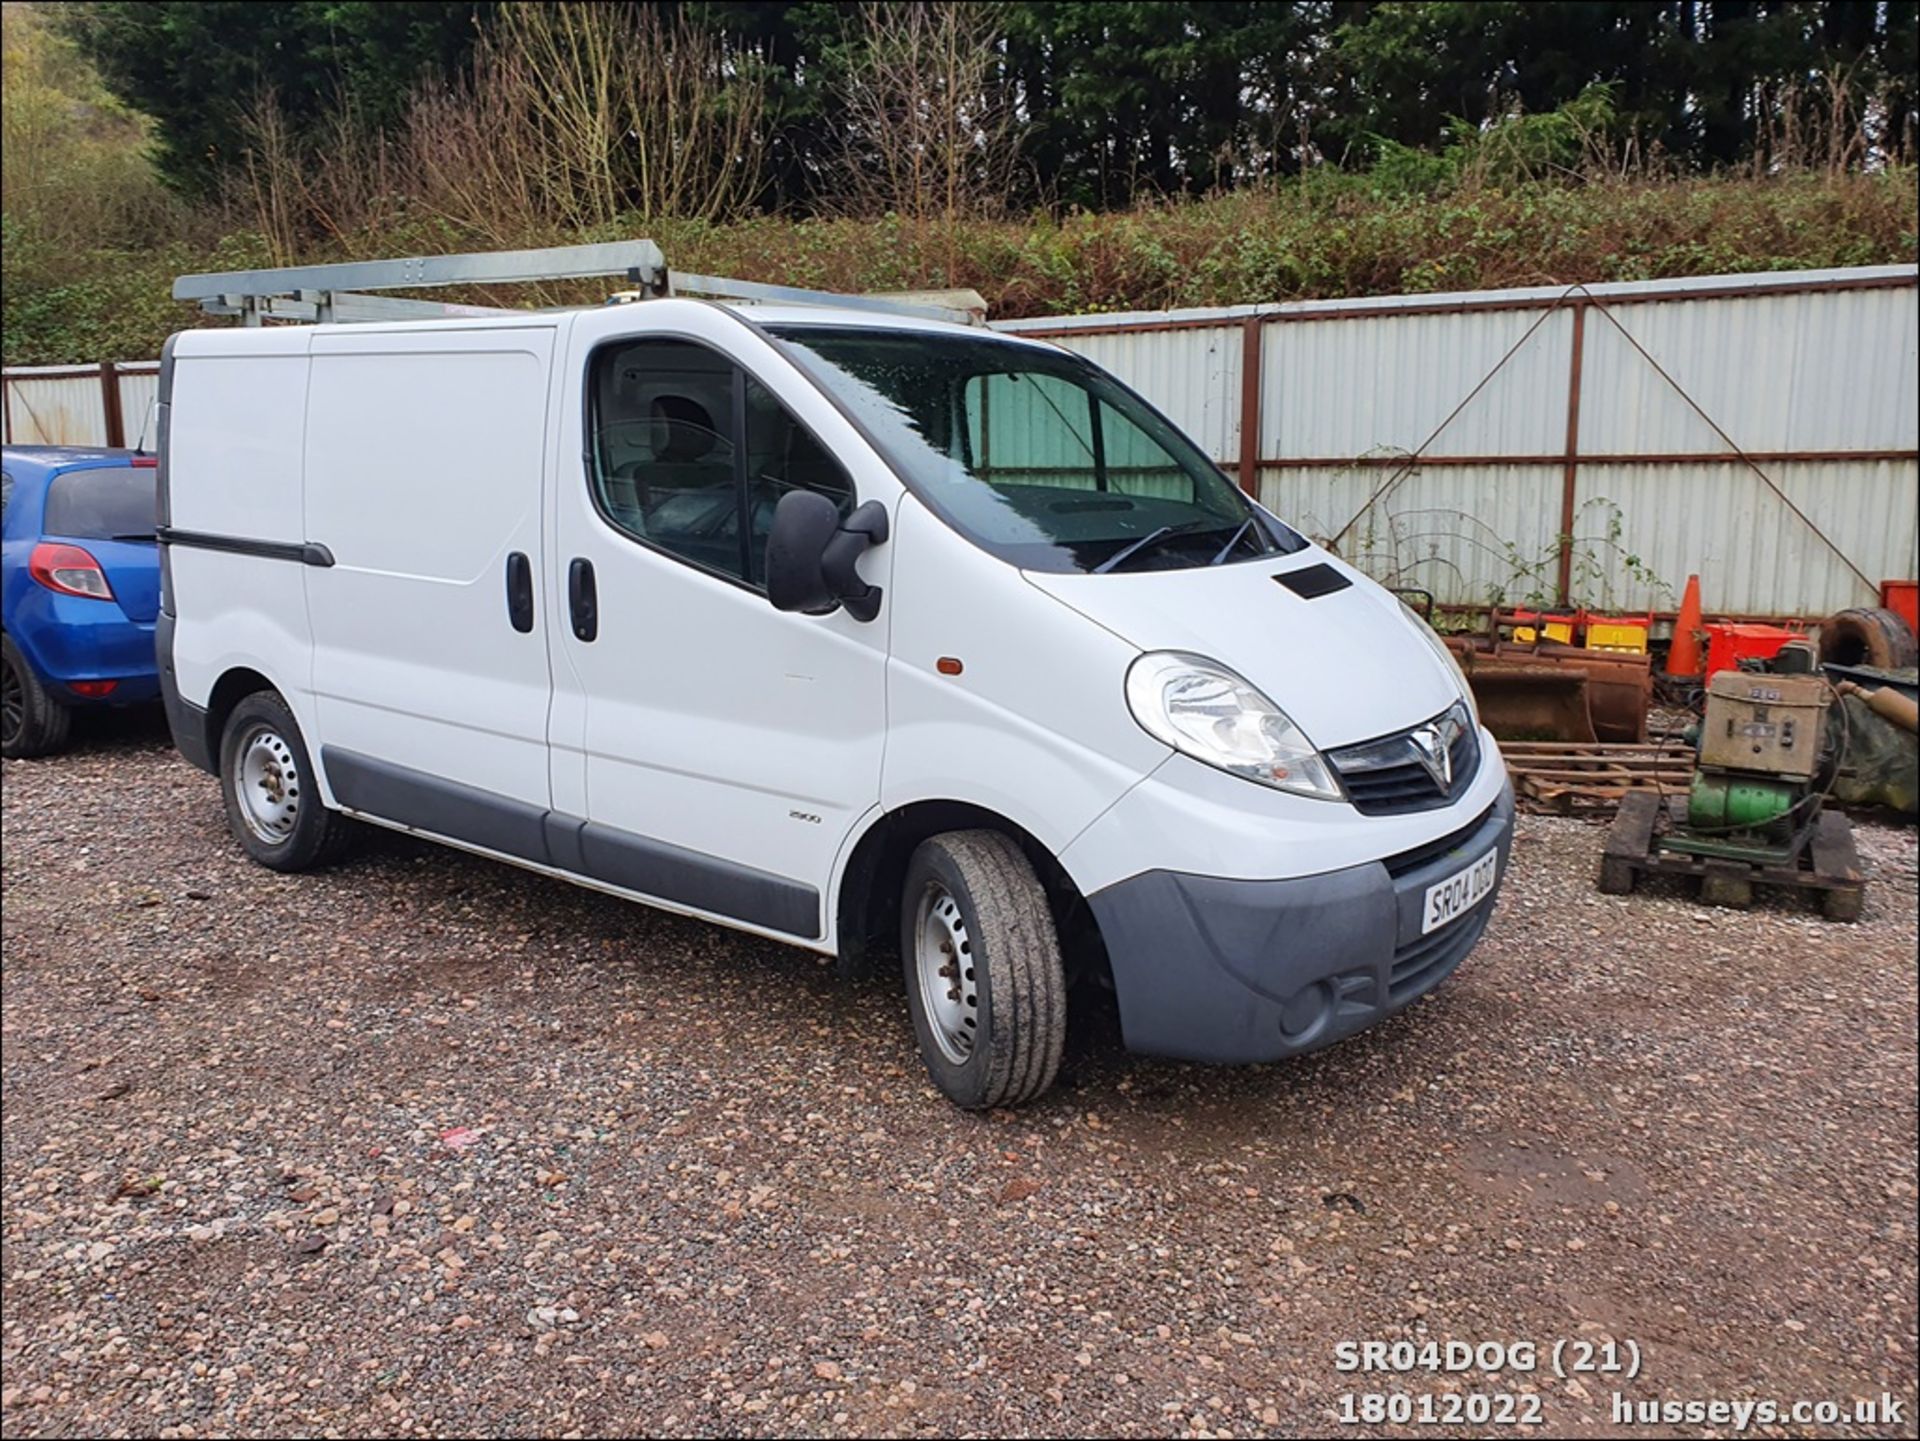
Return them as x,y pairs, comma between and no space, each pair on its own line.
187,721
1240,971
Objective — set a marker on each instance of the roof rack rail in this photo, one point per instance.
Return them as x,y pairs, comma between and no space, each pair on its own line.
335,292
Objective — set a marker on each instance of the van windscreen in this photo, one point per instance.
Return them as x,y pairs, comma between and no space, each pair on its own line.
1036,455
111,503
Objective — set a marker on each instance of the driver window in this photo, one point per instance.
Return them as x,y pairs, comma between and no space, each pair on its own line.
782,455
685,445
663,451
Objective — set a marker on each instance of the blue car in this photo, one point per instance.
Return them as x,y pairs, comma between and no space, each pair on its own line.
79,588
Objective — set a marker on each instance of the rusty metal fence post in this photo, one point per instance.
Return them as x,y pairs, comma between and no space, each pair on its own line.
1250,338
1570,464
110,405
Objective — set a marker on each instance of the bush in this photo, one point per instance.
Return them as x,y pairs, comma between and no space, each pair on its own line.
1322,236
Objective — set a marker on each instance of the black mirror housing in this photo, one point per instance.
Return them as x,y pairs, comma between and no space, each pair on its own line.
803,522
811,556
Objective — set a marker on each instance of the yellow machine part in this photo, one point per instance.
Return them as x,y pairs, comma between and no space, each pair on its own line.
1625,637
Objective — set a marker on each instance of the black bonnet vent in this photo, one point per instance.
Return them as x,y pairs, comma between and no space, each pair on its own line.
1312,581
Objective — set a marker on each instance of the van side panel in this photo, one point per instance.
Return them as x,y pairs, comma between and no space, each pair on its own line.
237,410
235,450
425,457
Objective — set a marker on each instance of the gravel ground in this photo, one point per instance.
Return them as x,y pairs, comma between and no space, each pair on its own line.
425,1145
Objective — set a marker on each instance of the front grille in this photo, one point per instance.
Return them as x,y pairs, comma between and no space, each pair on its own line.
1423,963
1388,777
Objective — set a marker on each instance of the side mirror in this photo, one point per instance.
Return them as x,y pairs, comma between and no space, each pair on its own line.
811,555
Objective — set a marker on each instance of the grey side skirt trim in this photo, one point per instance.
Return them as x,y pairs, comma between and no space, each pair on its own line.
707,883
428,803
567,843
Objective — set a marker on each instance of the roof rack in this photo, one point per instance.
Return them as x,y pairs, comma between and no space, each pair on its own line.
336,293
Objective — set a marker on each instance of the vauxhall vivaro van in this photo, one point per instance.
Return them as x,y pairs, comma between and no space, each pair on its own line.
836,627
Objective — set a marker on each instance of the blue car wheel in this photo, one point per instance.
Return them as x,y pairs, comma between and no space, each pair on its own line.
32,723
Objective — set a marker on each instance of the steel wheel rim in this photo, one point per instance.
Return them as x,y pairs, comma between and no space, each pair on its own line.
266,783
13,702
943,958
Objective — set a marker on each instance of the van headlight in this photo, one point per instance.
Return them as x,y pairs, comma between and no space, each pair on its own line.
1432,638
1204,710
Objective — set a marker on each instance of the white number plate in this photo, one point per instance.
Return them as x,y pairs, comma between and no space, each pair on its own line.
1459,892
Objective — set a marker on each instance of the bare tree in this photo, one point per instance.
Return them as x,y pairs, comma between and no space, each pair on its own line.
573,117
930,136
346,189
1812,126
632,113
473,157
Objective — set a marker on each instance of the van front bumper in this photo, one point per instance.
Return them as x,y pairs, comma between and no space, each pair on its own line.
1239,971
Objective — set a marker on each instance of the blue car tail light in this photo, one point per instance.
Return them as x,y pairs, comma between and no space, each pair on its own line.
68,570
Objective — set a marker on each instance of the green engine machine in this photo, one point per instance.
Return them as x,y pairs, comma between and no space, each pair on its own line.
1762,748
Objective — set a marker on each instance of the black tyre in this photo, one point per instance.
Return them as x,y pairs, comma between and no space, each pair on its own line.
983,969
1867,636
266,778
32,723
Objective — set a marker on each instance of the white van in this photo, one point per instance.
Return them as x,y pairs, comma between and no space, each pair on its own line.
839,628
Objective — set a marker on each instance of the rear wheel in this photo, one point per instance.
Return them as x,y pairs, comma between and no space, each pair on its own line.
266,777
984,975
32,722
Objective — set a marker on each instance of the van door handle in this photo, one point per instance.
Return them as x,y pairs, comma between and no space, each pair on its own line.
520,591
582,603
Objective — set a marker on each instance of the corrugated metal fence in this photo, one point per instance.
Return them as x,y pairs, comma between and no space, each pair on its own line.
1763,430
106,404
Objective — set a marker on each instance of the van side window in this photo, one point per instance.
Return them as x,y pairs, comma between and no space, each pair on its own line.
663,451
686,447
782,455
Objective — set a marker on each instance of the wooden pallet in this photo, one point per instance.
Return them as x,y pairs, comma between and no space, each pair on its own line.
1569,778
1828,864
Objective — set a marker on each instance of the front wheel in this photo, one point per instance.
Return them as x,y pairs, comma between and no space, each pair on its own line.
984,976
32,722
266,777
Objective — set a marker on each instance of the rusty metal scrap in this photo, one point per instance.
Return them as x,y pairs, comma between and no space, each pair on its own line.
1526,691
1562,779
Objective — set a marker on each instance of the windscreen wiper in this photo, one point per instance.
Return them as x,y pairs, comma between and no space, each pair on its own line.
1232,540
1152,537
135,535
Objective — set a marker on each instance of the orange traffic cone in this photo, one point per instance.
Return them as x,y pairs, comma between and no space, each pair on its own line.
1683,658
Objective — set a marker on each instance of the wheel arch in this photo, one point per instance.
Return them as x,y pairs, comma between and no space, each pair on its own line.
867,900
235,685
